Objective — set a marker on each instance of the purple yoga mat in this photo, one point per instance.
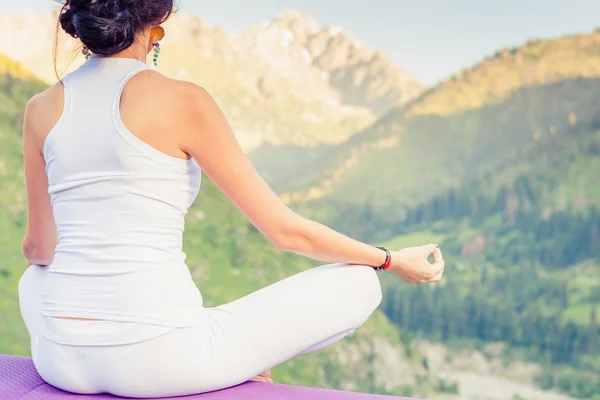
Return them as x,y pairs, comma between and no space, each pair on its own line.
20,381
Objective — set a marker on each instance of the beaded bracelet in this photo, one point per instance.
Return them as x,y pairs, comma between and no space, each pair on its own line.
388,260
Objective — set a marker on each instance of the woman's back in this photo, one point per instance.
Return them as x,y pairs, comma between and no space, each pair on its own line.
119,206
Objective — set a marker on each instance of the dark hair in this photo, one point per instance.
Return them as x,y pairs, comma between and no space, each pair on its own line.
107,27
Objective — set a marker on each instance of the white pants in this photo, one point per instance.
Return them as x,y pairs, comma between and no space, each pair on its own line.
241,339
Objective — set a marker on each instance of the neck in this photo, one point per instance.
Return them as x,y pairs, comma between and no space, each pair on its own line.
138,50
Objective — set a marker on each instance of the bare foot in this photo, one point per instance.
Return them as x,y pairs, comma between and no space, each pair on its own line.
263,377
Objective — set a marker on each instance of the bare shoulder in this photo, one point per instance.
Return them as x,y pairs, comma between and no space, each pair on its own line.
180,109
162,85
50,98
43,111
177,96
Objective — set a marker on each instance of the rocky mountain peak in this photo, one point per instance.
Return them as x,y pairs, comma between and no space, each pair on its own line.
300,24
316,74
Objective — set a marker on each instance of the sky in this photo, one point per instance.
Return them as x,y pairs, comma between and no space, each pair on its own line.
432,39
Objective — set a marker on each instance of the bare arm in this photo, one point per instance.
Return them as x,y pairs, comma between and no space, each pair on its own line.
40,239
211,142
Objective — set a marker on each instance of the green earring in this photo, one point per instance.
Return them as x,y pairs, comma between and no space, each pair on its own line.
86,52
156,47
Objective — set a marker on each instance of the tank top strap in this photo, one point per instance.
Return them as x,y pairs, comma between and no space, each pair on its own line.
126,76
94,87
91,94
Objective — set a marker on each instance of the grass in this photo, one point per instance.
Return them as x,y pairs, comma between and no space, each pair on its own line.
578,313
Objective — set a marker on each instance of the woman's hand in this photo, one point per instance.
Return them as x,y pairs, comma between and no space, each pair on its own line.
411,264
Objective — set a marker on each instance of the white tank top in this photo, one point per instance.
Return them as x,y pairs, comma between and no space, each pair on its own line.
119,206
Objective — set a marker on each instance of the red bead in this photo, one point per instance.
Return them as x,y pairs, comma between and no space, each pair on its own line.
387,264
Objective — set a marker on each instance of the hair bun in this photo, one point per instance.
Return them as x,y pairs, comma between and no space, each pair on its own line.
108,27
105,26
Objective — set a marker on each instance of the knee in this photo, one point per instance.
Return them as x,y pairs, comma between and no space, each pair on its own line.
366,292
350,292
373,294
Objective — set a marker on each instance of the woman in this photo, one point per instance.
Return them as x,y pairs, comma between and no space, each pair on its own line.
113,157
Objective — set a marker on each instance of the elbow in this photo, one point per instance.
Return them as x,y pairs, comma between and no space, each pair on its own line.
290,236
282,242
38,254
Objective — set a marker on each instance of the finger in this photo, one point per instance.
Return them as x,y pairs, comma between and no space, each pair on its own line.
438,277
441,274
439,263
267,373
427,271
438,256
429,248
436,267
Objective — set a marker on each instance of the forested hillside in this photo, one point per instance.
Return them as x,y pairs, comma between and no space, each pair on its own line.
467,125
523,243
501,166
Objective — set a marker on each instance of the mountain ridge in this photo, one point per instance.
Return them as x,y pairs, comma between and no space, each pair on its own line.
515,97
285,82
